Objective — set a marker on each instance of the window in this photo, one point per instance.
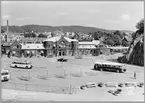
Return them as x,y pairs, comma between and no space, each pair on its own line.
5,73
14,47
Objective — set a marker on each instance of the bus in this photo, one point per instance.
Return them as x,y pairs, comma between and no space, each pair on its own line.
5,75
21,64
109,66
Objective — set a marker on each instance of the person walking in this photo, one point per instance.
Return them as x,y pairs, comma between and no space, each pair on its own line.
134,75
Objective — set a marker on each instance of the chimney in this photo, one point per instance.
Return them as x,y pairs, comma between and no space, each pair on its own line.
7,26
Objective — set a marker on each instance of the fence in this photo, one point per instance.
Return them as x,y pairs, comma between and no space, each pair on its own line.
39,88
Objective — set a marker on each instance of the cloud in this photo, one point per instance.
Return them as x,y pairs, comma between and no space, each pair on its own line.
93,11
6,16
5,2
23,18
125,17
112,21
62,13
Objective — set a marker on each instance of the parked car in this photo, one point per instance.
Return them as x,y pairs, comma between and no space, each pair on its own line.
101,84
91,85
21,64
111,84
62,60
131,84
5,75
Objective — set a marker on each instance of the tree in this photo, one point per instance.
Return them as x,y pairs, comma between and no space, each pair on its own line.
140,26
29,35
117,32
109,41
125,43
117,40
42,36
97,35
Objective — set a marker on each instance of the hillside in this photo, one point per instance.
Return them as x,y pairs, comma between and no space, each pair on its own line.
135,53
44,28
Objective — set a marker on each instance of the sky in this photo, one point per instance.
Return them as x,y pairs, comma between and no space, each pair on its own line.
107,15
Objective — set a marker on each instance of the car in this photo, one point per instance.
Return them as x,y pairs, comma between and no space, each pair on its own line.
21,64
62,60
130,84
120,85
111,84
101,84
91,85
140,84
5,75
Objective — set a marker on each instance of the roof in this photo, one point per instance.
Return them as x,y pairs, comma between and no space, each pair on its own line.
57,38
54,39
118,47
23,61
32,46
69,40
94,42
4,70
86,47
7,43
108,63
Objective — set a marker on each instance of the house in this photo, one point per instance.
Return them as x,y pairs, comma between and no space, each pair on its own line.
15,48
87,48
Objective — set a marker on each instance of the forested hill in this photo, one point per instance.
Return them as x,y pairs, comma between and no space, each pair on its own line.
44,28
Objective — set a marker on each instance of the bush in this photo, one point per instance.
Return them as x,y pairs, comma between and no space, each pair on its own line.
122,59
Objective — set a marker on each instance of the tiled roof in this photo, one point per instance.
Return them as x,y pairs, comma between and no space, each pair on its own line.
32,46
86,47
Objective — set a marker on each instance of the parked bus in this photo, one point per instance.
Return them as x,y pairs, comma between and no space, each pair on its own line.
21,64
109,66
5,75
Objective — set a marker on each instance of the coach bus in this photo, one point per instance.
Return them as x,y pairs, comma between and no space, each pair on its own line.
109,66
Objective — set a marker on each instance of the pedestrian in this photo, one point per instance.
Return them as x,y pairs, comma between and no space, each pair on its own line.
134,75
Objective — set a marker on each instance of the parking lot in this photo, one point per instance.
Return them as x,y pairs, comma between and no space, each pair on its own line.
80,69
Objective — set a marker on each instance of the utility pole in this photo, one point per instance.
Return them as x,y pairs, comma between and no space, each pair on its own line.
70,83
28,73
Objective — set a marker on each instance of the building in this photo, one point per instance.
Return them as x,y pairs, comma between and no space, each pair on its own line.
60,46
54,46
